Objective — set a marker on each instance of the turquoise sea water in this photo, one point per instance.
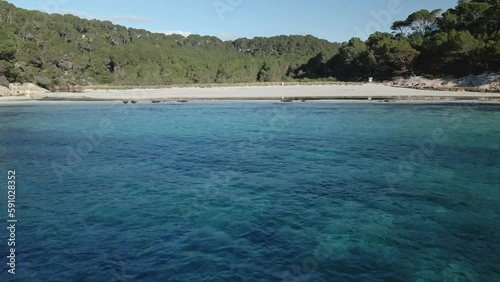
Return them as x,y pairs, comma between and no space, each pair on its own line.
253,192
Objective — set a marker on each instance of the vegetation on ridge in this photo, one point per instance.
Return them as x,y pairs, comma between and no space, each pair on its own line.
55,51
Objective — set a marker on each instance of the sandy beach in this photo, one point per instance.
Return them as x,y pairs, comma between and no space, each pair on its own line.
366,92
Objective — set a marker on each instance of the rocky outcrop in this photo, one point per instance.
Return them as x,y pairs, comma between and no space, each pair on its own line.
4,91
17,89
485,83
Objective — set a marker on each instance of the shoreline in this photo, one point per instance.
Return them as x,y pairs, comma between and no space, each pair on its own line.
374,93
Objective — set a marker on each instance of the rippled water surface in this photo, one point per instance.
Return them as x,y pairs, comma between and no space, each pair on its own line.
253,192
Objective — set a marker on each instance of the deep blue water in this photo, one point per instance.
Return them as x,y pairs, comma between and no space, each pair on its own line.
253,192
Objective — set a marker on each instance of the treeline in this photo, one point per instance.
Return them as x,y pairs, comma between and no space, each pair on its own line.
460,41
55,51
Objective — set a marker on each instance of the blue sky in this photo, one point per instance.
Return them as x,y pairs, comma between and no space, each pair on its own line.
334,20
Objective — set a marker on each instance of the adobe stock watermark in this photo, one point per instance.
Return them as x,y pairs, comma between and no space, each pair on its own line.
224,6
75,155
93,139
281,120
52,6
425,149
323,252
381,19
218,186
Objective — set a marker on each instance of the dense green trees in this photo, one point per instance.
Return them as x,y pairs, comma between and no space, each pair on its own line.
460,41
422,22
53,50
58,50
8,51
464,41
353,62
391,56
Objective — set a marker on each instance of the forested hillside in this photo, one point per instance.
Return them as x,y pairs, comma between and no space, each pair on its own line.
58,50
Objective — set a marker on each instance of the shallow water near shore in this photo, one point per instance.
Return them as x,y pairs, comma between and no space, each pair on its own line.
253,192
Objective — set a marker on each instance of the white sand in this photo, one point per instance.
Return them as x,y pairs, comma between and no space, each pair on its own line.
365,91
